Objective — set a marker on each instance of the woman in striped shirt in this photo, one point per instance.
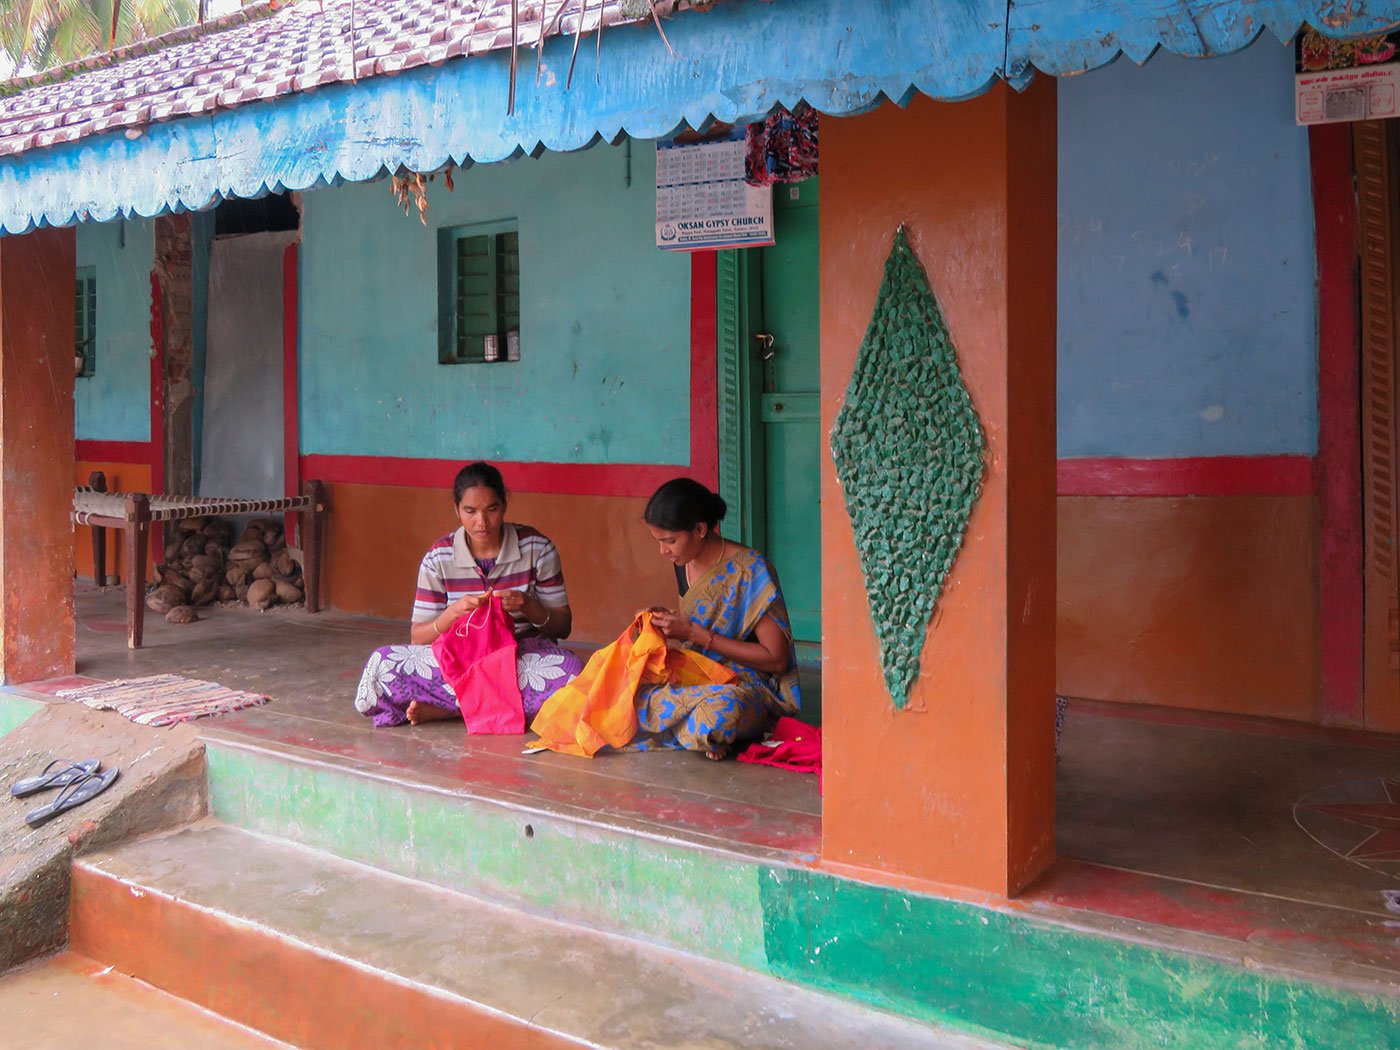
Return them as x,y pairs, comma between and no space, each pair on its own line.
402,683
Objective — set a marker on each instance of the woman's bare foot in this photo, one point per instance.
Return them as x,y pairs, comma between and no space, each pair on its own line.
719,754
419,712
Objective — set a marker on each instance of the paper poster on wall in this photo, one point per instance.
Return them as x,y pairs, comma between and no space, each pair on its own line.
1341,80
702,199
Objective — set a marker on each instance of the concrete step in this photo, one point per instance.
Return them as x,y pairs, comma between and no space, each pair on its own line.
162,784
321,952
1021,971
70,1001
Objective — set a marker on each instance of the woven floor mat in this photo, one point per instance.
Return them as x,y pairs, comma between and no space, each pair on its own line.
163,699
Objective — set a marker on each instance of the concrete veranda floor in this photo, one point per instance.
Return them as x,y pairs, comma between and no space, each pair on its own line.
70,1001
1259,840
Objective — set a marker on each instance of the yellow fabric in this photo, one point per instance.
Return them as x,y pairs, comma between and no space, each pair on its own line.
597,708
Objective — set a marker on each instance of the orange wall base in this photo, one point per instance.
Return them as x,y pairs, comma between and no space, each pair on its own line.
376,536
1206,602
121,477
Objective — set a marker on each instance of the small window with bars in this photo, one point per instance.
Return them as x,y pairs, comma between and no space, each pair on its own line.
85,322
479,294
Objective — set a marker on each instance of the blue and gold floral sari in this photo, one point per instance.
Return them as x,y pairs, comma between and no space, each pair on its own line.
729,599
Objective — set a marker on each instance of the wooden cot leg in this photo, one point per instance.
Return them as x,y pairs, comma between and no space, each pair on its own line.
138,523
312,524
97,481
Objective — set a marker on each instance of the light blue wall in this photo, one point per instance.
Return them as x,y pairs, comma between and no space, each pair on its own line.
115,403
1187,306
605,343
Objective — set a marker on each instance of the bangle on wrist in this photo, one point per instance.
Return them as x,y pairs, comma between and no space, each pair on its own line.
548,612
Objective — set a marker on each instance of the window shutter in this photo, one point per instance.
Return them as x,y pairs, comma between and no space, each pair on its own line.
477,295
478,292
508,281
85,319
1378,212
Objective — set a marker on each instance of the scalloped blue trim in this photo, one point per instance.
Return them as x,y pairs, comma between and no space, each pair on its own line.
733,63
1064,37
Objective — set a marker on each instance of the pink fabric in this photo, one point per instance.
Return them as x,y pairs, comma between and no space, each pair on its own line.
791,745
477,657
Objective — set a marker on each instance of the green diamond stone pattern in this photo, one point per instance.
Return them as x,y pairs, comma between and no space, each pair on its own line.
911,456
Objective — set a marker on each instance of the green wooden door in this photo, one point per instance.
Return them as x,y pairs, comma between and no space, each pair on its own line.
770,433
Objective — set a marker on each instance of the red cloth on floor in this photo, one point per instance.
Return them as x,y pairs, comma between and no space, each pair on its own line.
477,657
791,745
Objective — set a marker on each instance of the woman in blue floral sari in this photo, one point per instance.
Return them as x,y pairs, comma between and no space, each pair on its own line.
732,611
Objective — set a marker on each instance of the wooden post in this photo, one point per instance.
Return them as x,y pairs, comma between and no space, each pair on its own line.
37,273
313,527
97,481
174,272
138,525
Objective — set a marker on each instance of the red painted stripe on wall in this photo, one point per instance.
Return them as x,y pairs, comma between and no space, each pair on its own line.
1341,601
1195,476
1209,476
114,451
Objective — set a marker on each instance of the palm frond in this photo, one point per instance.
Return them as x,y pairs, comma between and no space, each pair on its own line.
41,33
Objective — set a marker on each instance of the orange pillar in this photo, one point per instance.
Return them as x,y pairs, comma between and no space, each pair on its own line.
37,271
958,788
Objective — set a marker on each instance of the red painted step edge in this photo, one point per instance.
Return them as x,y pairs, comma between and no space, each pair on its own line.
256,978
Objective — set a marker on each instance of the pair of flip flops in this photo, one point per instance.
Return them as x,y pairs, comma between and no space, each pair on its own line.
79,781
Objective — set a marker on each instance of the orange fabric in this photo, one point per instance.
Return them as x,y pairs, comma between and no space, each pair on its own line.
596,708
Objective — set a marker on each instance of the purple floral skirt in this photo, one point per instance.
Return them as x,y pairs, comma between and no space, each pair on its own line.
397,675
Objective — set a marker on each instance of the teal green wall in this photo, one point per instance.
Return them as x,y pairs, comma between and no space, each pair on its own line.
605,331
115,403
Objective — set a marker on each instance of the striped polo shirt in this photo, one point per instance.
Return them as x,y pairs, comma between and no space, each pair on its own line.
527,562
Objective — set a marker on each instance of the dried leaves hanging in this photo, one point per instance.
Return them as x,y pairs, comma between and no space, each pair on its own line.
410,190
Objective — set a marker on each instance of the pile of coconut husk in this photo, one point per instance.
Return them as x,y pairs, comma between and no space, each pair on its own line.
203,566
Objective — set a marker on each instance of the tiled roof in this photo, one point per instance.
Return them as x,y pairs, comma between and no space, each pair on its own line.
268,50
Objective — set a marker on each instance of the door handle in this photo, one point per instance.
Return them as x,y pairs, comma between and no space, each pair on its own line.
765,343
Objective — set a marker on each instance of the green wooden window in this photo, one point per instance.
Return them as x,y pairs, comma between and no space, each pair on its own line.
479,294
85,320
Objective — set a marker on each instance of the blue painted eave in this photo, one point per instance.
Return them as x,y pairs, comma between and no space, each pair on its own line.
732,63
1062,37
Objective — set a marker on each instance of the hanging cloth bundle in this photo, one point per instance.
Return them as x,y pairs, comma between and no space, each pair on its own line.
782,148
598,709
477,657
